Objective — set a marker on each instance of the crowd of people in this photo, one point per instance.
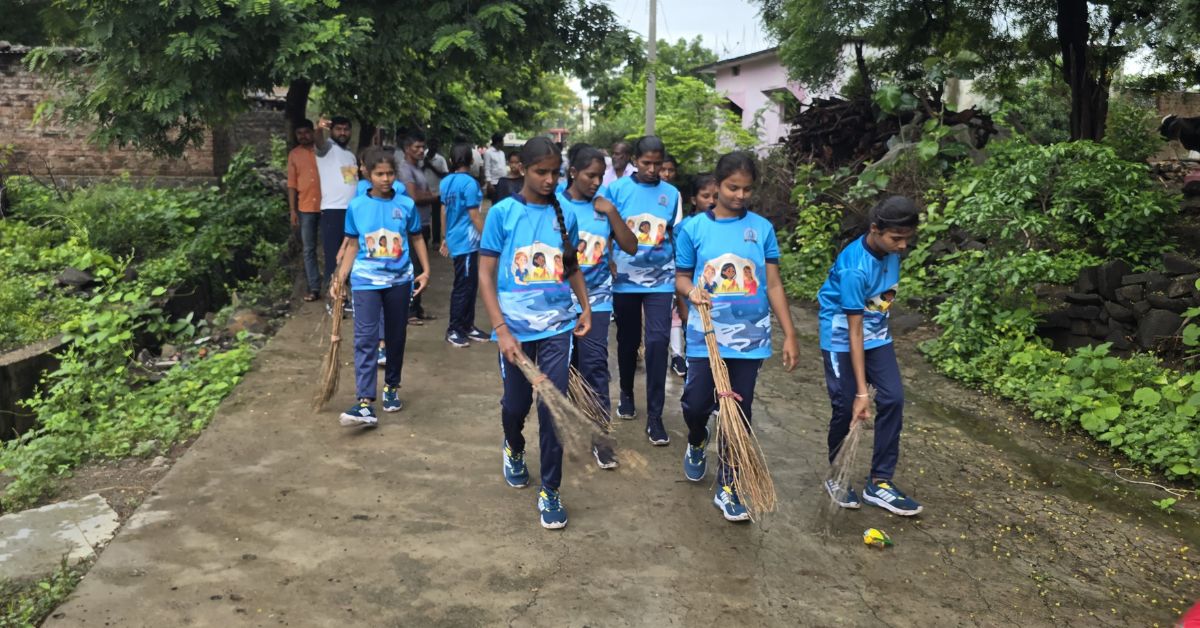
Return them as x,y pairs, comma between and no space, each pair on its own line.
560,249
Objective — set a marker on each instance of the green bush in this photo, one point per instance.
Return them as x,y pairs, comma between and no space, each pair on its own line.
1132,130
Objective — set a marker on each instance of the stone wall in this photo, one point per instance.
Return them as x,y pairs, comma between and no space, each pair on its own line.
54,149
1111,303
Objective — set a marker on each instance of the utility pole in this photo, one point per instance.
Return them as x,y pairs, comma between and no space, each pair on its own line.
651,57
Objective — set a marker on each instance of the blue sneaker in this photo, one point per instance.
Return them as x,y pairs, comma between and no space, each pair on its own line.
515,472
478,336
391,399
359,414
844,498
554,514
695,461
730,505
457,339
625,408
381,357
885,495
656,432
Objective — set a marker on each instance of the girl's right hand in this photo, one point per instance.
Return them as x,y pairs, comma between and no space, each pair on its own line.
336,291
862,409
509,347
700,297
444,250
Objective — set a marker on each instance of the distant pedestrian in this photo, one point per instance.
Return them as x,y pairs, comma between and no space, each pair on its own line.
494,164
435,168
703,197
857,350
382,282
412,147
304,202
618,163
512,181
338,170
463,220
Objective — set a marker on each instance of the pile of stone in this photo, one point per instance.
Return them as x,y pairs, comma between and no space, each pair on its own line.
1111,303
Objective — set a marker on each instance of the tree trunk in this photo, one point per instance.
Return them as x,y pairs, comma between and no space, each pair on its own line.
296,106
1089,89
861,62
366,135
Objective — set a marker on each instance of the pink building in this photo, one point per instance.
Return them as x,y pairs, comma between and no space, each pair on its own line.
757,87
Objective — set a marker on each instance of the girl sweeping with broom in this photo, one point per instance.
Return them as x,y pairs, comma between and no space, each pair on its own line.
381,283
856,348
600,225
728,234
533,317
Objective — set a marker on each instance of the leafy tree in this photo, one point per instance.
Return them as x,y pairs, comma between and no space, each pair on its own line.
674,60
1001,42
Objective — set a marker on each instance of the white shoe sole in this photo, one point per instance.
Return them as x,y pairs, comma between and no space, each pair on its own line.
875,501
721,507
627,417
603,465
658,443
553,526
349,420
395,409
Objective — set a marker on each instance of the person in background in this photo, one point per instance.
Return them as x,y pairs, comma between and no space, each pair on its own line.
703,197
412,147
494,164
338,171
618,164
669,169
463,224
512,182
304,202
434,166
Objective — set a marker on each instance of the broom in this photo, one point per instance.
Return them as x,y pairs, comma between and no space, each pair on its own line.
570,422
839,470
737,445
588,401
331,363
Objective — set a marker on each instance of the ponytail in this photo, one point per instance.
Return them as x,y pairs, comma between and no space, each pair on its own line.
532,152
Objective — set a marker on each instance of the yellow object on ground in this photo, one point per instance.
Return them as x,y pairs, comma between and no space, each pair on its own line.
876,538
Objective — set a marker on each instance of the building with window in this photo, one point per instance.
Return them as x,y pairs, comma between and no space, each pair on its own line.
759,92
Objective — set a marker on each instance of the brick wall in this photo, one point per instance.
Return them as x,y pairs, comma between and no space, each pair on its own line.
53,148
1185,104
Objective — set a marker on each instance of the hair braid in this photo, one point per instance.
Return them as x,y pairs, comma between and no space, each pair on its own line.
570,254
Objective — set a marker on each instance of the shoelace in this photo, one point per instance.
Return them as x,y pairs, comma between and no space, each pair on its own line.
550,502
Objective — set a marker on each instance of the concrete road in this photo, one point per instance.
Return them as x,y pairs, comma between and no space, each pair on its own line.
279,516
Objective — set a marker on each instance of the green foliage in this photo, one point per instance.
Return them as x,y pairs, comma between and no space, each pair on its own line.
279,151
1039,110
1132,130
609,85
27,604
811,246
1059,197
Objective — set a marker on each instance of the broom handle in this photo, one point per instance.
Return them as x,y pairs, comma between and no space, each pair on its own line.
714,350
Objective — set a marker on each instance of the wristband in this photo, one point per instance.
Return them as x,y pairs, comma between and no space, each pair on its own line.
863,395
497,327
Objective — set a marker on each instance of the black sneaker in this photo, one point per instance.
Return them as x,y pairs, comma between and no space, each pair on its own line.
679,366
625,408
604,455
656,432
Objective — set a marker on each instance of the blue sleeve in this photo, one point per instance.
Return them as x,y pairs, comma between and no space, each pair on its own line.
491,242
685,250
443,192
399,188
350,228
853,285
473,196
414,218
572,227
605,191
771,245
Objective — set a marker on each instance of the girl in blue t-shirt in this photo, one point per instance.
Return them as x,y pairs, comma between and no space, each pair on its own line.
600,225
644,283
381,283
462,224
856,349
729,237
532,311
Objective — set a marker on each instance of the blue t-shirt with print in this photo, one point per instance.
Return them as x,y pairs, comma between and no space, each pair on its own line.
383,227
651,212
728,257
592,249
364,185
527,243
864,282
460,194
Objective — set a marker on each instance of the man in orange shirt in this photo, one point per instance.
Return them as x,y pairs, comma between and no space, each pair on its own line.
304,201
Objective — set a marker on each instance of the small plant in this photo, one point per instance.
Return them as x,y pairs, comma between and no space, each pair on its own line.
26,605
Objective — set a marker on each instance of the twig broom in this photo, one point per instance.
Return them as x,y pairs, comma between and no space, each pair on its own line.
737,446
331,363
843,462
588,401
570,421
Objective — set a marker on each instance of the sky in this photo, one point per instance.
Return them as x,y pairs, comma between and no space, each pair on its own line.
730,27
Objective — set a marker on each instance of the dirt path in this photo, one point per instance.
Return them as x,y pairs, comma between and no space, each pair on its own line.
277,516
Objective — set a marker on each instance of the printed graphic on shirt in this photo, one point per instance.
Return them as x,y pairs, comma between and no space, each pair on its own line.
384,244
875,321
349,174
591,248
649,229
730,275
537,263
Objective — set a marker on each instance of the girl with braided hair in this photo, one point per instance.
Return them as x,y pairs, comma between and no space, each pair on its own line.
536,318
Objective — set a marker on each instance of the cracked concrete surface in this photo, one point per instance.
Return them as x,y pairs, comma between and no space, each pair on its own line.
278,516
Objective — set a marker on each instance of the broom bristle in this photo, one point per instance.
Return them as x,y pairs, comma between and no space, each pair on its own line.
843,462
737,446
588,400
332,362
570,422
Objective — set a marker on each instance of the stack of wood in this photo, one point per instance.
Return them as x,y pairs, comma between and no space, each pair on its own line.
832,132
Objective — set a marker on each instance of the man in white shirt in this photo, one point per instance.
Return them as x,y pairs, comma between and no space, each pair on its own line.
618,164
337,168
495,164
